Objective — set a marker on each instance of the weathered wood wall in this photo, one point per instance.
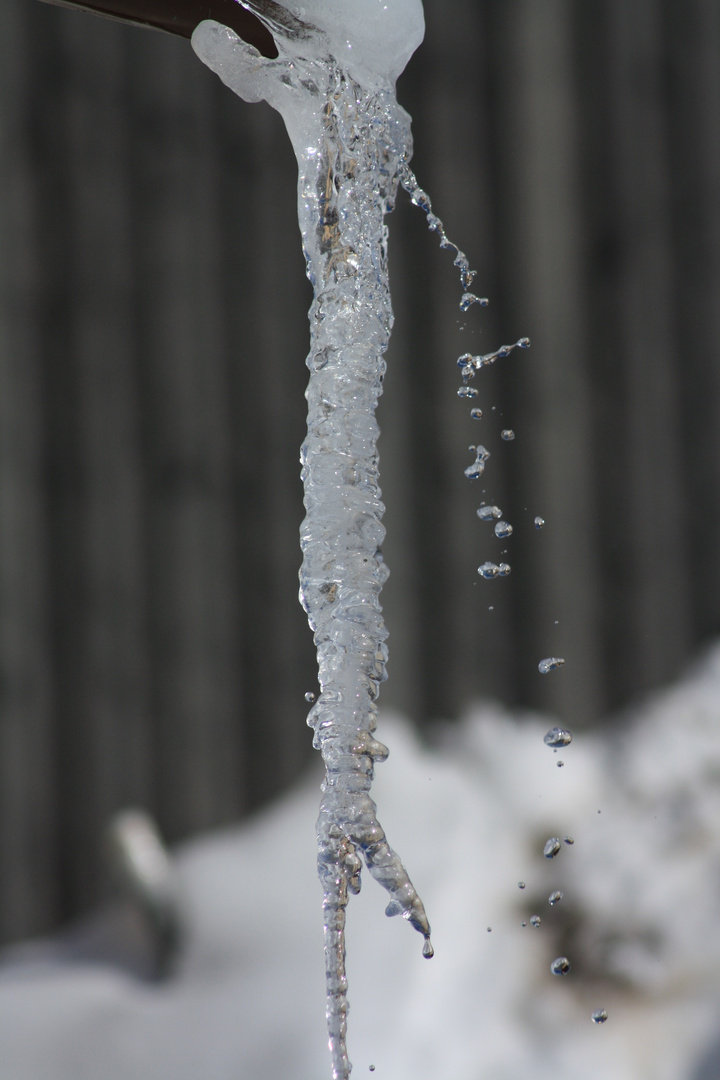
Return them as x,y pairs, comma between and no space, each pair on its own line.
152,336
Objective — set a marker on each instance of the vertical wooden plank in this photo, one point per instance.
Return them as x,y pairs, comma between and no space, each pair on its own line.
192,575
652,499
692,34
266,297
27,775
100,646
557,595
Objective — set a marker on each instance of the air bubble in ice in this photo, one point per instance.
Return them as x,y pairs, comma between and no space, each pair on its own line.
555,898
503,529
557,736
599,1016
549,664
489,570
393,908
507,434
552,846
560,966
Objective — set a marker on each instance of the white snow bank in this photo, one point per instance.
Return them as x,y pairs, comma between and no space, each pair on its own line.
639,922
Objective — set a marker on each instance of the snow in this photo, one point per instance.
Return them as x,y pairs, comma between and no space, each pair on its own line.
638,922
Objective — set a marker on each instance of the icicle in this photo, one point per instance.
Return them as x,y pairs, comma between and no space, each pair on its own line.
351,139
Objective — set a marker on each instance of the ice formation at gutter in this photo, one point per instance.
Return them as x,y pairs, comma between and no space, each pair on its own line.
333,83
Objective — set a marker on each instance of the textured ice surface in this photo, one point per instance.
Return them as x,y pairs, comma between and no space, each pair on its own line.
638,922
333,83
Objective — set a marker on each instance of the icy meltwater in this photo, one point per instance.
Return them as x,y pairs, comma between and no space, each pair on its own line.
333,82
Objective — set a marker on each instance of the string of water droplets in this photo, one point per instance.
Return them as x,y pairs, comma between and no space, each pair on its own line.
469,363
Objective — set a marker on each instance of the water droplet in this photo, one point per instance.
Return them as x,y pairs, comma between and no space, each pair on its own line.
504,569
535,920
524,343
474,471
487,513
560,966
489,929
539,522
560,764
552,846
523,923
393,908
427,949
508,434
488,570
476,414
521,884
468,299
467,392
555,898
557,736
599,1016
309,697
549,664
372,1067
569,840
503,529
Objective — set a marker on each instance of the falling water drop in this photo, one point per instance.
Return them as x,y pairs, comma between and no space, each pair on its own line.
560,966
560,764
599,1016
539,522
309,697
503,529
557,736
427,949
488,513
489,570
569,840
508,434
468,299
476,414
552,846
549,664
504,569
535,920
521,884
467,392
555,898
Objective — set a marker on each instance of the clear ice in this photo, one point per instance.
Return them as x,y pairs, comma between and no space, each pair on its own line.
333,82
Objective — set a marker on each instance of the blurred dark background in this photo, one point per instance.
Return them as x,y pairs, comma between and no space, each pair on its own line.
152,336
